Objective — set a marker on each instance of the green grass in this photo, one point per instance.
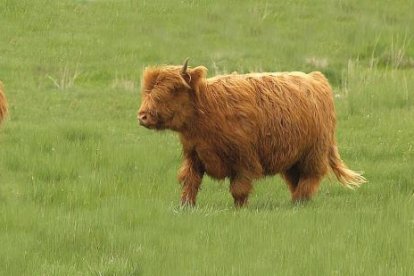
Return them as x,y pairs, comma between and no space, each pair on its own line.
85,191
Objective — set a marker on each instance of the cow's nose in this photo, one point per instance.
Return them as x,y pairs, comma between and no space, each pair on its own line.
143,118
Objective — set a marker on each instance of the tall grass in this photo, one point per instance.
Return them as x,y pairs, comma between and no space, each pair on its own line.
85,191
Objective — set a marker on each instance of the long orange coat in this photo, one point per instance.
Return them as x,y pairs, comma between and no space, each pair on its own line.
3,103
244,127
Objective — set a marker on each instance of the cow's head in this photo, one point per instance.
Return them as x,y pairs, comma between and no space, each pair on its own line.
168,96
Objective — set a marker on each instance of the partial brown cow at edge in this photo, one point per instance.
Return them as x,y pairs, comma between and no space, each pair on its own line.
244,127
3,103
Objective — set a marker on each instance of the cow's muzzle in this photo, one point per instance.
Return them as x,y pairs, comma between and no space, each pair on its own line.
146,119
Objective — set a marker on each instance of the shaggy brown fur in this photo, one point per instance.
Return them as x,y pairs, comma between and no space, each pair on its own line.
244,127
3,103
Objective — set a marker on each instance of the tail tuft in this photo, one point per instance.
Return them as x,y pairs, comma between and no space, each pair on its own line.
347,177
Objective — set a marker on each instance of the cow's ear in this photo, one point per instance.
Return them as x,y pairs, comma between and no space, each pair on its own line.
194,76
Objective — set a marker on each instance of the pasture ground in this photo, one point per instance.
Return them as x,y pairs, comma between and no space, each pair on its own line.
84,191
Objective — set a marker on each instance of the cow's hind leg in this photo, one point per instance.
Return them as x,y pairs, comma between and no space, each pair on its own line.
240,189
307,186
291,177
312,168
301,186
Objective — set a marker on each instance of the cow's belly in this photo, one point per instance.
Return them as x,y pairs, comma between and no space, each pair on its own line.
214,165
278,159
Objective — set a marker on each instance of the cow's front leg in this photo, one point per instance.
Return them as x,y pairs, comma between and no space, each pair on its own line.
240,188
190,176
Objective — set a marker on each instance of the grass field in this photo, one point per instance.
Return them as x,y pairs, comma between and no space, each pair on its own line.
85,191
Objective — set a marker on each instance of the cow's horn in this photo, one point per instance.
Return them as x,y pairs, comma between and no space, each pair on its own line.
184,69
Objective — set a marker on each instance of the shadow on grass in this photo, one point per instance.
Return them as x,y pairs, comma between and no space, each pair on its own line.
227,207
284,205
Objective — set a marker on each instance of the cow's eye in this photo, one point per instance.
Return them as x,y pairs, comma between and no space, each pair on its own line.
176,90
156,97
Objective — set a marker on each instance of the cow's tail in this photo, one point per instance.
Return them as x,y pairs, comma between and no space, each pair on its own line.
3,103
347,177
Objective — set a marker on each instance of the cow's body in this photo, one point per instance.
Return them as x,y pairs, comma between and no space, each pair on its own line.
266,131
247,126
3,103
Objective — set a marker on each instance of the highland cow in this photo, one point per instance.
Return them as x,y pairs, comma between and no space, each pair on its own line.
244,127
3,103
